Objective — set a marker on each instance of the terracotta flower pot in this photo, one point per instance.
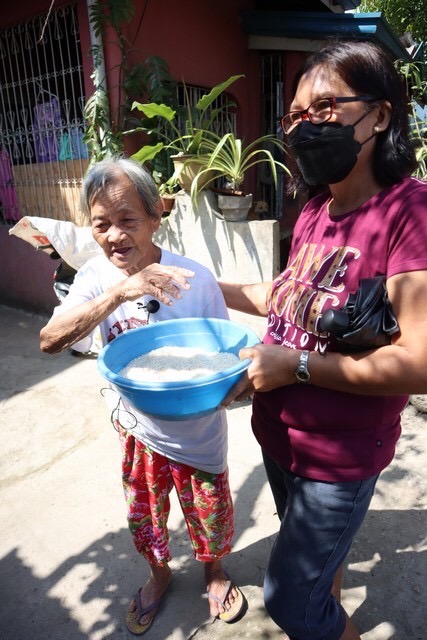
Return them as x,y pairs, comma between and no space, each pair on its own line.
168,203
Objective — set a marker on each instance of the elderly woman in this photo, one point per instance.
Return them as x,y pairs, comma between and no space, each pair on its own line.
114,292
328,420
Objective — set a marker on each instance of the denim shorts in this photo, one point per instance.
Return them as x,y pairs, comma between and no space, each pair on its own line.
319,521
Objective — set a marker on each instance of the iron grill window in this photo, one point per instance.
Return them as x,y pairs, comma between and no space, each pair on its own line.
42,154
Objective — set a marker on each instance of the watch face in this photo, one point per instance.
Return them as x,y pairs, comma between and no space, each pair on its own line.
302,375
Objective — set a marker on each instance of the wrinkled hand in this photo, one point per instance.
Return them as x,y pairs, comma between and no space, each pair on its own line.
161,282
272,366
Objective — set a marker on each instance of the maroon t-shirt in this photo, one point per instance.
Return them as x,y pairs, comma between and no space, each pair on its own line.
315,432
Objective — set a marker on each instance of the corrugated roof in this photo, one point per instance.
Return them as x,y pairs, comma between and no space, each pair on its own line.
319,26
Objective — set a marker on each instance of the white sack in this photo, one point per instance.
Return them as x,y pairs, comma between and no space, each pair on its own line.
74,244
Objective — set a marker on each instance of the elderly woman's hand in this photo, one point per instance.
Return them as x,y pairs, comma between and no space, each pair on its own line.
161,282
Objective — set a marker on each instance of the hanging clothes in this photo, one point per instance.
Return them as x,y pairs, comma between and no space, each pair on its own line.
47,123
8,196
71,145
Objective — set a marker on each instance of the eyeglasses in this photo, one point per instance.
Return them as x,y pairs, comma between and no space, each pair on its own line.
319,111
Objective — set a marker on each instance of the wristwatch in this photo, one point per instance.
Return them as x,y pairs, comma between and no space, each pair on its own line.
302,373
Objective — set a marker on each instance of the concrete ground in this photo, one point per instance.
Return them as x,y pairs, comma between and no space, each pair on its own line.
67,564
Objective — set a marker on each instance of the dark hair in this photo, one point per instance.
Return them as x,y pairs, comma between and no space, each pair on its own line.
368,70
104,173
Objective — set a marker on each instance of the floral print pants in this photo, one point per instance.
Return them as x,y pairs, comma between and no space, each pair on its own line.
205,499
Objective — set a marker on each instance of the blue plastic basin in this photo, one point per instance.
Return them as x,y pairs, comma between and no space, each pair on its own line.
184,399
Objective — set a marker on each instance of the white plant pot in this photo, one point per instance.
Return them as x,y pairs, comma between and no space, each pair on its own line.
234,208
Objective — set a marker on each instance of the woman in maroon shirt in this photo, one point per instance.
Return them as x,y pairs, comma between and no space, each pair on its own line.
327,420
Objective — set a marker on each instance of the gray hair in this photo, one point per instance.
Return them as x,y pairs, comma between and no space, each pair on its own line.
104,173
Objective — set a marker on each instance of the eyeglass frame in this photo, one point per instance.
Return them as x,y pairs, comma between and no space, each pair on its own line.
305,115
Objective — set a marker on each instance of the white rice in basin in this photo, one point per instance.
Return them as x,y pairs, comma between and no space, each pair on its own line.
173,364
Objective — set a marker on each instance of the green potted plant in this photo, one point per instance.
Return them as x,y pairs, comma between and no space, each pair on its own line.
167,191
184,142
229,159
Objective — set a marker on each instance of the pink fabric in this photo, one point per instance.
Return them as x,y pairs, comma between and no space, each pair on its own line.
8,197
314,432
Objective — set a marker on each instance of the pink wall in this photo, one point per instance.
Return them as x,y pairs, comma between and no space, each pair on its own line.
26,276
203,44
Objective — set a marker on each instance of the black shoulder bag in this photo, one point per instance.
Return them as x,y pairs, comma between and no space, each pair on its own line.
366,321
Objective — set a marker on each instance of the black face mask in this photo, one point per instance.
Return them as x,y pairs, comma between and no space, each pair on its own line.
325,153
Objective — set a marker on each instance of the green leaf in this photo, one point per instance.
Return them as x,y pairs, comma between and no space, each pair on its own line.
147,153
206,100
120,11
159,84
153,110
134,81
